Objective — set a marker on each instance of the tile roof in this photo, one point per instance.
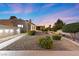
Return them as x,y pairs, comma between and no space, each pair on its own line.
6,27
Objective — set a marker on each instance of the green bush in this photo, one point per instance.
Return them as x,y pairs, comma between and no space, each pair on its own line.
45,31
46,42
71,28
31,32
23,31
56,37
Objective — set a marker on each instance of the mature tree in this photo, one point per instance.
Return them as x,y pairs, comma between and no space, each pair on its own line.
58,25
72,28
13,17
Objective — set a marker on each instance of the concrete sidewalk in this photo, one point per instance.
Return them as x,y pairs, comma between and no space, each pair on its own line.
39,53
10,40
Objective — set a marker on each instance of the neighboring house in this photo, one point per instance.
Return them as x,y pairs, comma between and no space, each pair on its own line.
33,26
40,27
8,30
24,25
30,26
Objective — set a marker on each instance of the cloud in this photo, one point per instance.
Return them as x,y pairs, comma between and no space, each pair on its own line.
48,5
17,8
66,16
51,20
14,8
2,5
10,12
29,9
77,5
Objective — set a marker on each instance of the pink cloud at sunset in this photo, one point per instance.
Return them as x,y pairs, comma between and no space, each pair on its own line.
41,13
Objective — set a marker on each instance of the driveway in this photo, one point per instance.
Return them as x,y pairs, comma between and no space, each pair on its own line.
9,40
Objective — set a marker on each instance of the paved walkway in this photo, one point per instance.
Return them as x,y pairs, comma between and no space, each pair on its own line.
31,43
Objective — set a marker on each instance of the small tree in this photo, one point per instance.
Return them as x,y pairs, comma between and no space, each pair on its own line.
58,25
72,28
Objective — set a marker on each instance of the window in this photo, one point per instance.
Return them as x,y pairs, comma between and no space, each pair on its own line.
21,26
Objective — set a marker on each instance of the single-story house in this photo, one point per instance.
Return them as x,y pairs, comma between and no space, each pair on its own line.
24,25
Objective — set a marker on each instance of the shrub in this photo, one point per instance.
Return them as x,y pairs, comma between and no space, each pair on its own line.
23,31
71,28
46,42
56,37
31,32
45,31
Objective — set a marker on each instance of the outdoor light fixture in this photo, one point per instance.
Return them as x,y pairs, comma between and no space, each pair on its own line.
11,30
1,31
6,30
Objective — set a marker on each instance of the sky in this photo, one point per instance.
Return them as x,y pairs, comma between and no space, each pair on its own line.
41,13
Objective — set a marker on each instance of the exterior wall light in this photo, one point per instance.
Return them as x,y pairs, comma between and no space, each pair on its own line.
11,30
1,31
6,30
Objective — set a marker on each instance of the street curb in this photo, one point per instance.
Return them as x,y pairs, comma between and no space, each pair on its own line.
39,53
72,41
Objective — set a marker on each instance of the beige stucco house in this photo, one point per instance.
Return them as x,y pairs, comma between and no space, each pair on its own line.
23,25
